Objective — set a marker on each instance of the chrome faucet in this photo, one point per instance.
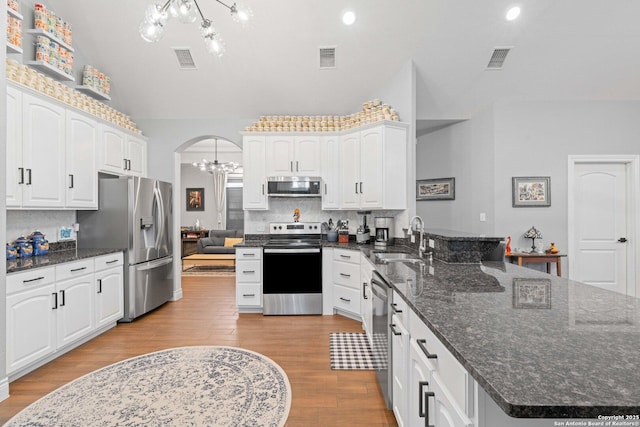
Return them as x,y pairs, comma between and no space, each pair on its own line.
422,246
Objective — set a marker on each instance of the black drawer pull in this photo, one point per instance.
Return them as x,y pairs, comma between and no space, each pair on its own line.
345,256
248,271
394,307
248,295
423,345
55,299
421,385
99,286
364,290
345,275
21,175
33,280
248,254
345,299
62,294
424,402
112,261
393,329
73,270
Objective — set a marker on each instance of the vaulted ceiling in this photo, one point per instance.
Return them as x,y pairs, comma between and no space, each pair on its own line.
570,49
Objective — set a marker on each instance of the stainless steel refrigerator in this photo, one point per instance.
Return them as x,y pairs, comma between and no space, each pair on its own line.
135,215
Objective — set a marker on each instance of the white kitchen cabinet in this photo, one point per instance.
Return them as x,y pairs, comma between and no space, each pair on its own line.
347,288
109,289
82,135
42,176
254,189
445,412
75,307
400,337
289,155
249,279
330,171
31,319
122,154
13,160
373,164
366,301
417,387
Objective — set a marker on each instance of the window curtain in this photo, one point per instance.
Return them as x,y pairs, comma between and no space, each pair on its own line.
219,193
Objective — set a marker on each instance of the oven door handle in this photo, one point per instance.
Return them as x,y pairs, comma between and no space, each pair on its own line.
292,251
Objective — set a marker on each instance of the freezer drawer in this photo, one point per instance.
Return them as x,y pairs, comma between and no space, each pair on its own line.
149,285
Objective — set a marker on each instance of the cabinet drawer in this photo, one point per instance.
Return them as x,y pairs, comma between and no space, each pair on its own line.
346,274
74,269
453,376
30,279
346,299
249,294
345,255
248,253
248,271
107,261
400,309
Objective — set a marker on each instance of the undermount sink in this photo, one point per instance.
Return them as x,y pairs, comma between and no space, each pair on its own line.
396,257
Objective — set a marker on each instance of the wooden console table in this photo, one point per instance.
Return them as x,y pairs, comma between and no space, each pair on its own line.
190,240
539,258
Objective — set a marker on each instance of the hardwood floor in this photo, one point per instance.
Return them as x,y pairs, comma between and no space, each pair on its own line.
206,315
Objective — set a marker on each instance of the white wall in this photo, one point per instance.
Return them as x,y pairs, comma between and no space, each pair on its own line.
4,385
192,177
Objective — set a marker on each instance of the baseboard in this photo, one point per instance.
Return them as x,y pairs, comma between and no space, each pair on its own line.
4,389
177,295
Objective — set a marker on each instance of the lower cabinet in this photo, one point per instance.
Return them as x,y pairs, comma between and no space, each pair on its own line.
249,279
347,287
53,309
109,289
366,300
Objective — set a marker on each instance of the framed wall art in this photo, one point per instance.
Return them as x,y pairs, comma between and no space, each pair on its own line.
531,191
195,199
436,189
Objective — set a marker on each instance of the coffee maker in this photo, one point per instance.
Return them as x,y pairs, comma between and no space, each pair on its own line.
384,232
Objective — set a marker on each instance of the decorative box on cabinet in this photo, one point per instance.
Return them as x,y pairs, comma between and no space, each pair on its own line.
346,282
249,279
254,188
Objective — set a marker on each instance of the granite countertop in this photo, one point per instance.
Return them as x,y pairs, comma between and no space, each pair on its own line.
573,354
459,235
53,258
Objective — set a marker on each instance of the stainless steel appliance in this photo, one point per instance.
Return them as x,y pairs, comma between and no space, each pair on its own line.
292,269
382,298
384,232
135,215
294,186
363,235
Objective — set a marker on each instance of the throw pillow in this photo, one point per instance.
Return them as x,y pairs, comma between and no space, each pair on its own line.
232,241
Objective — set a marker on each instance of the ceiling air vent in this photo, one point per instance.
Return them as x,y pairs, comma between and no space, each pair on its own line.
498,57
327,58
185,60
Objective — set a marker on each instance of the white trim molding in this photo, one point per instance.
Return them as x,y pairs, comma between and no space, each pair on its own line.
4,389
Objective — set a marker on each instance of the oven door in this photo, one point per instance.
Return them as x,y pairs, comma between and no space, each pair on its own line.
285,290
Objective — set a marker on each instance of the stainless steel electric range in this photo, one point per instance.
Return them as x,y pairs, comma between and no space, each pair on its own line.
292,269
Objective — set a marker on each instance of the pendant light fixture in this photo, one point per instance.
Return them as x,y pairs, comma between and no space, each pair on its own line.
216,166
187,12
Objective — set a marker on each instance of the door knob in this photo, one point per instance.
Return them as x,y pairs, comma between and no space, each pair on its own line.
622,240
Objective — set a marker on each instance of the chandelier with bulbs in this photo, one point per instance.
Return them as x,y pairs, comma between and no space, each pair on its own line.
187,11
216,166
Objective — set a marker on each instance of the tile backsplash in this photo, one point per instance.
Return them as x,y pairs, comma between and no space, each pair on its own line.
24,222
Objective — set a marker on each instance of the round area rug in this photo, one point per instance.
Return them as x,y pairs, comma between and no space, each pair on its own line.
187,386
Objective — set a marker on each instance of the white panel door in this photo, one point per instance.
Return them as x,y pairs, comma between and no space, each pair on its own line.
350,171
112,151
417,386
76,317
330,172
280,156
601,225
109,296
82,150
136,156
14,168
371,168
254,191
307,156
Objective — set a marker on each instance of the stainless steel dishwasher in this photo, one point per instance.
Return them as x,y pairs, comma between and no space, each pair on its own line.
381,291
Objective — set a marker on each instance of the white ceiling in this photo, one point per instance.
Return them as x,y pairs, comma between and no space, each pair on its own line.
570,49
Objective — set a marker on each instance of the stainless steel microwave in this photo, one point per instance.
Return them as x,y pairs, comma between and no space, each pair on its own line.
294,186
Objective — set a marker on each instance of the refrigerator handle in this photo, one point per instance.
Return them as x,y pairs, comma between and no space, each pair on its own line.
160,219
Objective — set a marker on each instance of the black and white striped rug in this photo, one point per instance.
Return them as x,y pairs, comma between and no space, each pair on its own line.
351,350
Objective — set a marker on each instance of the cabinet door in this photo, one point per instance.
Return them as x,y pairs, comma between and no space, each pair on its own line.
76,317
43,144
417,386
350,171
399,359
112,151
445,412
13,164
31,326
82,150
136,156
280,152
371,172
254,191
330,172
109,296
307,156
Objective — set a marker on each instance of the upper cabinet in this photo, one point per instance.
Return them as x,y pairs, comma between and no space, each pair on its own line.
82,153
254,188
122,154
330,171
289,155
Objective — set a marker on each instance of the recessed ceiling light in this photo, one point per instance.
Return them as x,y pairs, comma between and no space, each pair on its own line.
348,17
513,13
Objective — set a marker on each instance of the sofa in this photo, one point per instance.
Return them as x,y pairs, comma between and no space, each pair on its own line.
214,243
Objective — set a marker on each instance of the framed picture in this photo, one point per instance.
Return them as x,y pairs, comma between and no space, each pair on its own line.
436,189
531,293
195,199
531,191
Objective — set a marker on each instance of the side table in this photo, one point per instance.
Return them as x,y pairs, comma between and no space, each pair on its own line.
545,258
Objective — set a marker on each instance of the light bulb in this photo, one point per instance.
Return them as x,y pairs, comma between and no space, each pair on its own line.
241,13
513,13
150,32
206,29
214,44
184,10
348,17
155,15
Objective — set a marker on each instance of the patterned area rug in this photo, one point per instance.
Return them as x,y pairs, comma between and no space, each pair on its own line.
198,386
350,350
